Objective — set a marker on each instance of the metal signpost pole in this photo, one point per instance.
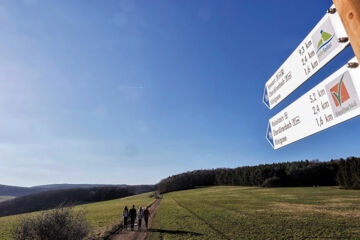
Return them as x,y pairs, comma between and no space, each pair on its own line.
349,11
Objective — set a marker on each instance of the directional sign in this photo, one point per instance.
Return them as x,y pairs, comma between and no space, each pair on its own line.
317,49
333,101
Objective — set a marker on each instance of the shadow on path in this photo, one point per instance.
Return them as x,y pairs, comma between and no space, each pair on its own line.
174,232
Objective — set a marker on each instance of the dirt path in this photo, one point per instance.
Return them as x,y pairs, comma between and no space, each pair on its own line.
135,235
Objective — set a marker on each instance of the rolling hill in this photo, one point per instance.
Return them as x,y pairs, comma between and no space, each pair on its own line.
15,191
71,196
103,216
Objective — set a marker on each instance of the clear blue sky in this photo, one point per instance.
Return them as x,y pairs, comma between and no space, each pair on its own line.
134,91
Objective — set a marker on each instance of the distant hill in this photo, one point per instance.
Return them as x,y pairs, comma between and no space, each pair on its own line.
70,186
16,191
71,196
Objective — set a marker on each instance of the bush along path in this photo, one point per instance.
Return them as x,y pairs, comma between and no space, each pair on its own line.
120,234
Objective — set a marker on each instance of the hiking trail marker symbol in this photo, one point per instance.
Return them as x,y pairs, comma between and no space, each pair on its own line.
314,52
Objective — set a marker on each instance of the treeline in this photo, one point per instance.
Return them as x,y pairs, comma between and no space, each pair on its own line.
345,173
349,173
67,197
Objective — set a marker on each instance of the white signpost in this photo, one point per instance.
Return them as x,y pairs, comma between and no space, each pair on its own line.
317,49
331,102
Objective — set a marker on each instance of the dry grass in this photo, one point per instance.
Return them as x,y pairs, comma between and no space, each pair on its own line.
315,209
341,199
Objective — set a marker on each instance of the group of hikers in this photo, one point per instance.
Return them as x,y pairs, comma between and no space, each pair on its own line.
133,214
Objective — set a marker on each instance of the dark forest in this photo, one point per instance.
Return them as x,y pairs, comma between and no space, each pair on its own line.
343,173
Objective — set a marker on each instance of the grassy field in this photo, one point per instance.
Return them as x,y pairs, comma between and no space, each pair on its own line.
258,213
102,215
5,198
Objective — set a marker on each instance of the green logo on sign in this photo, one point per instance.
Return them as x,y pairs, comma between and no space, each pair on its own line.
325,39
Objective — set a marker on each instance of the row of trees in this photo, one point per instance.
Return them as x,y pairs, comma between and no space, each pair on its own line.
345,173
349,173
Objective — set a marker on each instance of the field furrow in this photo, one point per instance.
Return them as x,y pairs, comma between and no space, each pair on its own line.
226,212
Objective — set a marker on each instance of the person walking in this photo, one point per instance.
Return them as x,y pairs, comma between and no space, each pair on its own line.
132,217
146,217
140,215
125,217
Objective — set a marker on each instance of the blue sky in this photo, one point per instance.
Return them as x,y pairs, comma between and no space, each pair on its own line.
123,91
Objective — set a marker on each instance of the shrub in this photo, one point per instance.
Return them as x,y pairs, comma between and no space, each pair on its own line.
57,224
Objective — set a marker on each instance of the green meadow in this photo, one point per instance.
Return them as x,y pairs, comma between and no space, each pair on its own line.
228,212
102,215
